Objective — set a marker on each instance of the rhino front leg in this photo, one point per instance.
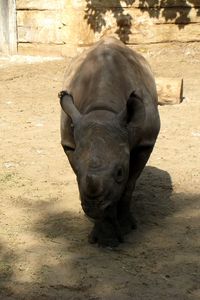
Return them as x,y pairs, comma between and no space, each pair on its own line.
138,160
106,232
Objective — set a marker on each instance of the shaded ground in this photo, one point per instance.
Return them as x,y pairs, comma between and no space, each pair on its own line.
44,252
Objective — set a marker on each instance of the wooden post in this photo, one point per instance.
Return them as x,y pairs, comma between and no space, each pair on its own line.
8,32
12,27
3,26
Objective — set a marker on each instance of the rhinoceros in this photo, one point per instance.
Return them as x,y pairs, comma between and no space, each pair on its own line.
109,125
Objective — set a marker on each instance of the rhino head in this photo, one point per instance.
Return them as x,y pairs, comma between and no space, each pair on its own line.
102,152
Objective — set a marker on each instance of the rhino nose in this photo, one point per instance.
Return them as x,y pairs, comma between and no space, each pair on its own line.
93,185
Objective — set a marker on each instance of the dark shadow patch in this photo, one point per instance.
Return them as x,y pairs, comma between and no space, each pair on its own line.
169,262
175,11
65,225
147,206
7,260
95,16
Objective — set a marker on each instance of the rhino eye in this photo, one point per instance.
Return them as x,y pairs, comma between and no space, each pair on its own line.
119,174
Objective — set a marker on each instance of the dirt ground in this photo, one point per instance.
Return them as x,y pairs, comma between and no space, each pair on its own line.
44,253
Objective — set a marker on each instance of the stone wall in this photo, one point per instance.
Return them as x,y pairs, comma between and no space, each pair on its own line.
63,27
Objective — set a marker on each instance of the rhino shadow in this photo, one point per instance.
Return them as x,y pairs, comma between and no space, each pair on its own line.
78,270
152,196
8,259
151,203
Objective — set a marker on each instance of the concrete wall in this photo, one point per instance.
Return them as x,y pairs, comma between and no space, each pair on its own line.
63,27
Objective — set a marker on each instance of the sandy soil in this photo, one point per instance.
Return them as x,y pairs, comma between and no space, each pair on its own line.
44,253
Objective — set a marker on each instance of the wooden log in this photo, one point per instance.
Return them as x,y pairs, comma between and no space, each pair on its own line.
164,33
125,3
68,50
43,35
54,27
40,4
39,49
180,15
132,26
146,33
39,18
170,90
170,15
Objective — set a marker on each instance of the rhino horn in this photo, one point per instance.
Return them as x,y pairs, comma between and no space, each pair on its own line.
93,185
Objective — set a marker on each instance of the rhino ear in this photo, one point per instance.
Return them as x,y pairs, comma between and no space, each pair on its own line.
133,118
134,113
135,110
67,104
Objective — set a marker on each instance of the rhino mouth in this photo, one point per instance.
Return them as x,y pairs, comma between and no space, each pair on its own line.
92,212
95,207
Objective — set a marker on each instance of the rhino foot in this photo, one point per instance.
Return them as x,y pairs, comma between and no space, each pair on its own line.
127,223
105,234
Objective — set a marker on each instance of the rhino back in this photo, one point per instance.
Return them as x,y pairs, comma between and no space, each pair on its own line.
104,76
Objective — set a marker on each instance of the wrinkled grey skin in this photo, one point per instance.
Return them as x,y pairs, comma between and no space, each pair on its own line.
109,125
